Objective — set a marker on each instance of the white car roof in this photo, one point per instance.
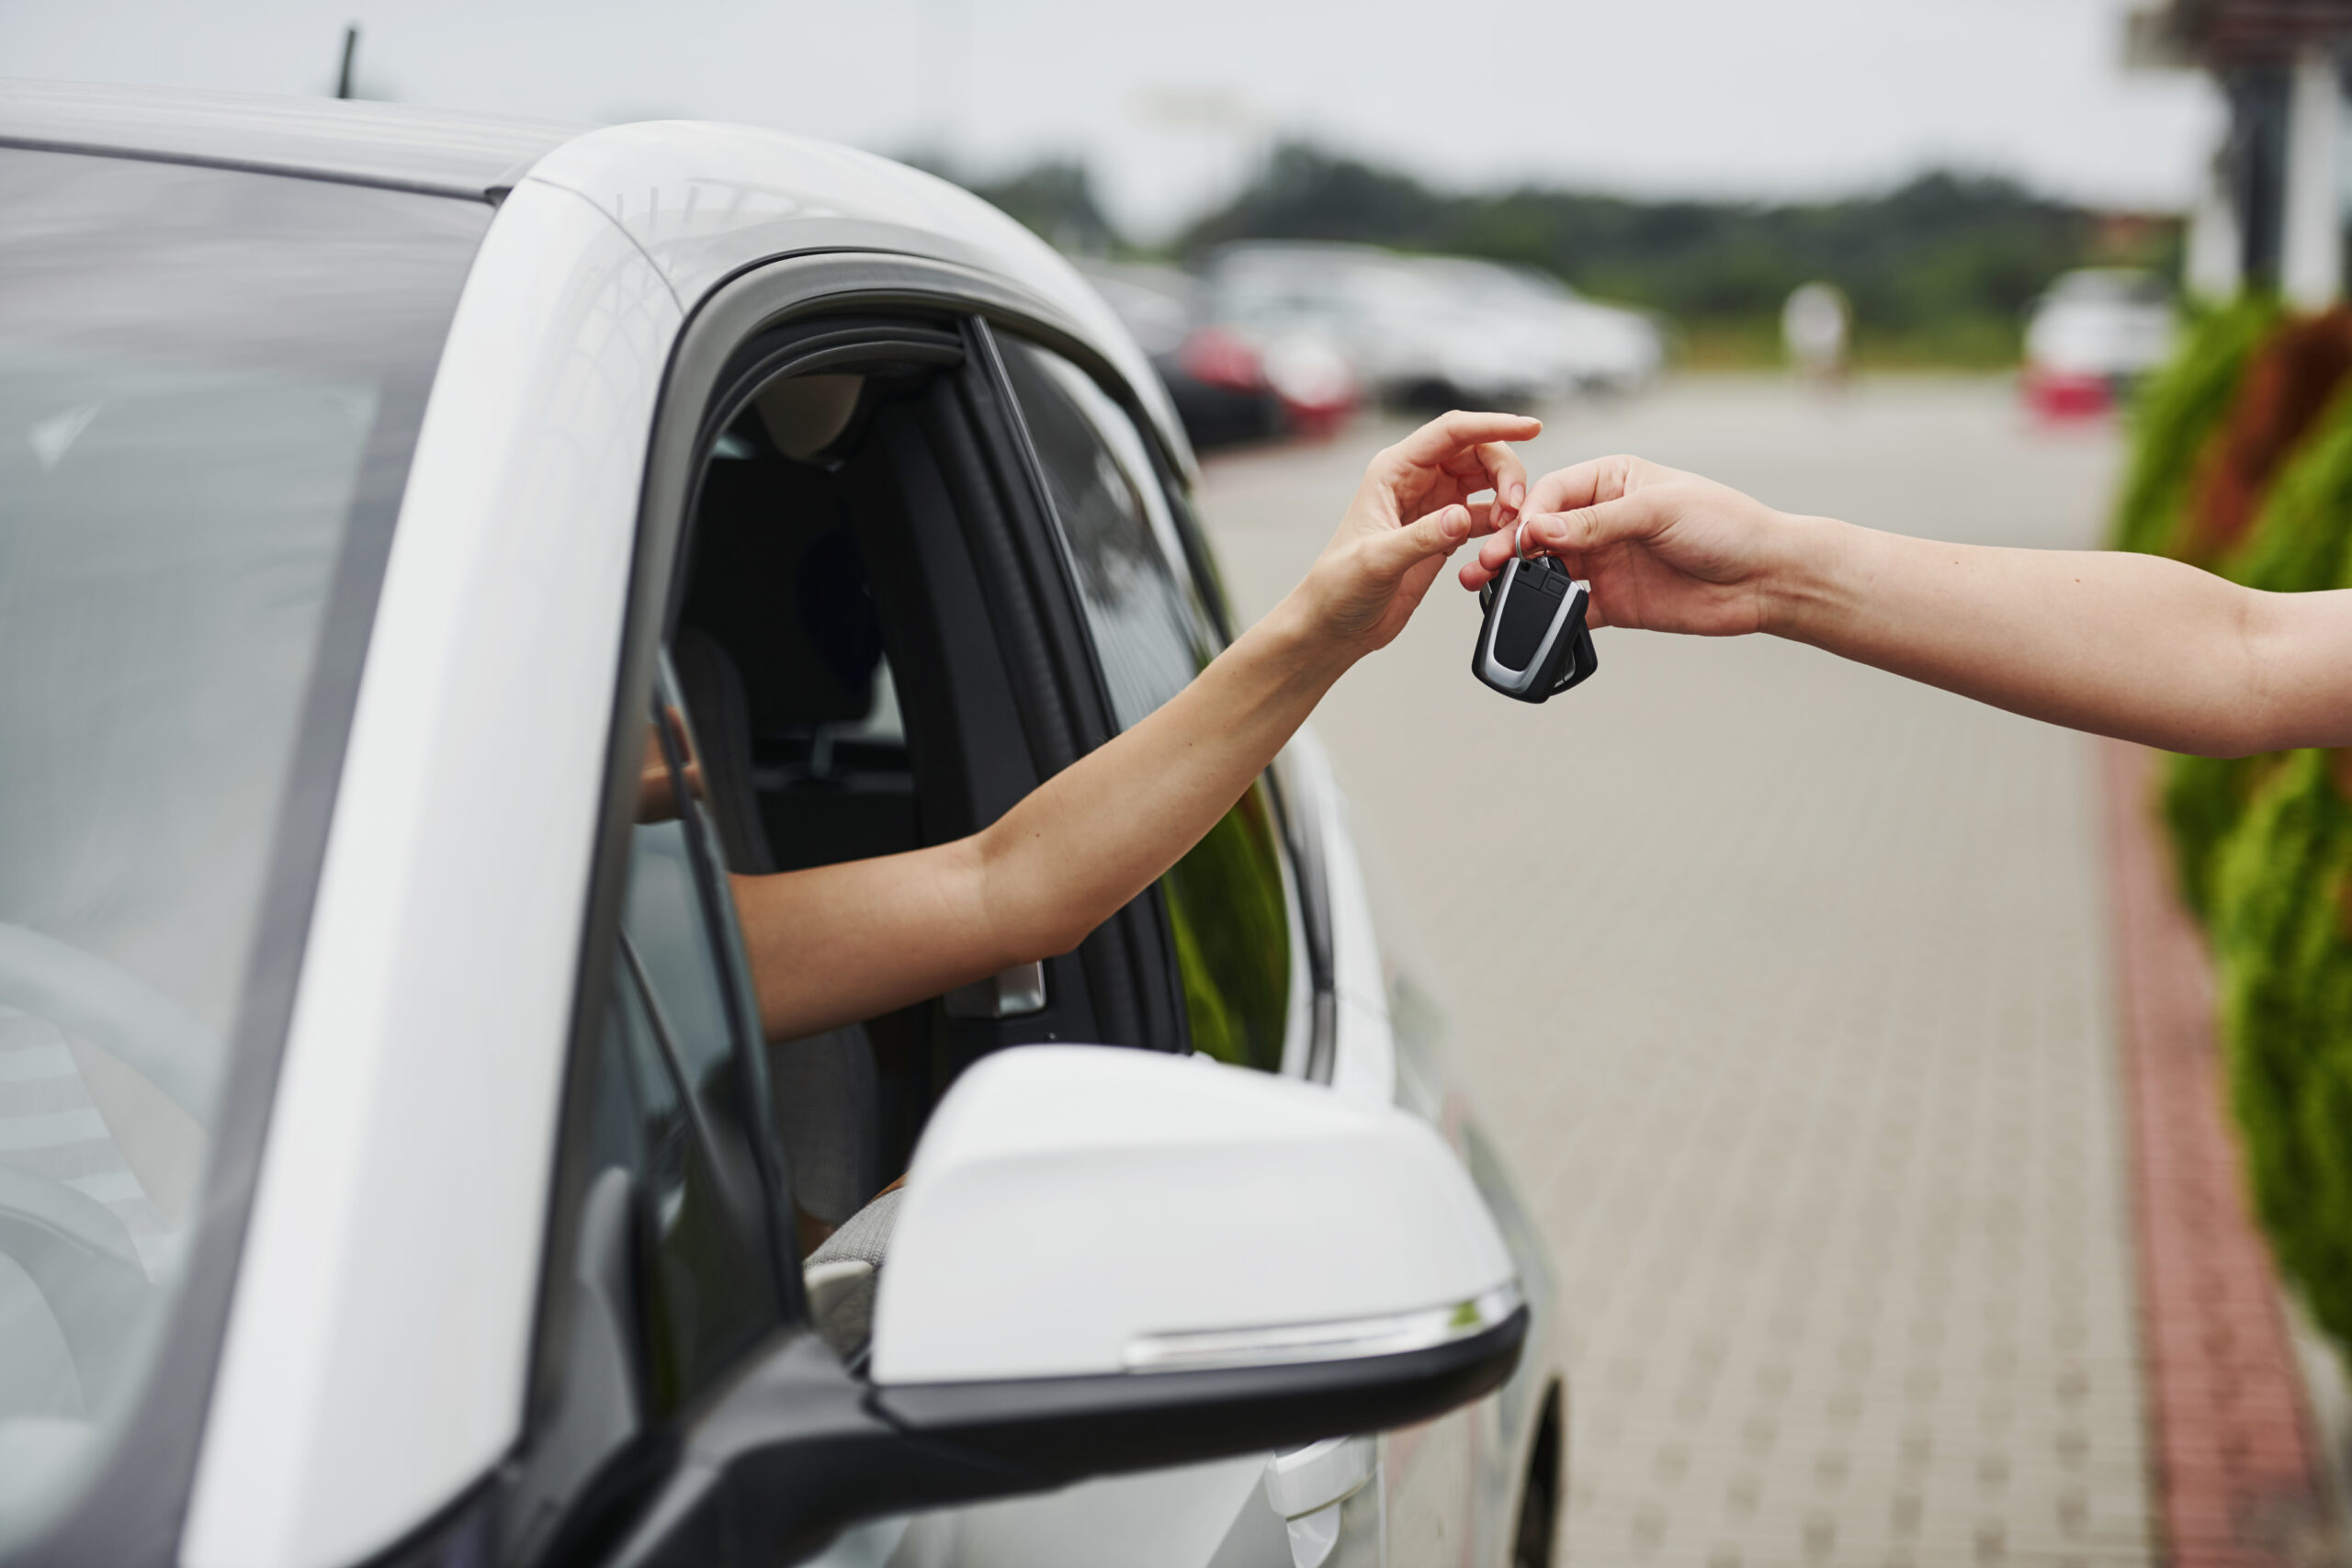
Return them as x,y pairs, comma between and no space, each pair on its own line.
706,201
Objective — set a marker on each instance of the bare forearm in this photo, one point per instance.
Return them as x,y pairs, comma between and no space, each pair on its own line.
848,942
842,943
2119,644
1098,832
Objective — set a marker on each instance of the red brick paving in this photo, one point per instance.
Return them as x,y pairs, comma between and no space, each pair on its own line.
2236,1479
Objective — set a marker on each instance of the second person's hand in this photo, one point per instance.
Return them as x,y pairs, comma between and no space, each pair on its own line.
1664,550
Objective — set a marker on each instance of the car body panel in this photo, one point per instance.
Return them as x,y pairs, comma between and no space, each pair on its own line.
405,149
1363,1062
377,1346
706,201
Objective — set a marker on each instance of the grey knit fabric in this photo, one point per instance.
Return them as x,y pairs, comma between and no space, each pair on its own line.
824,1090
866,1235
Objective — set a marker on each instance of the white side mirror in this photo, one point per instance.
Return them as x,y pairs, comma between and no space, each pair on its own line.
1110,1260
1134,1230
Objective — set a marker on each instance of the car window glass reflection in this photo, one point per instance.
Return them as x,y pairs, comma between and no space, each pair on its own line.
670,1074
210,385
1152,633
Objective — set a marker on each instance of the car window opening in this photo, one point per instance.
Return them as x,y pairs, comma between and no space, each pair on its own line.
805,761
834,662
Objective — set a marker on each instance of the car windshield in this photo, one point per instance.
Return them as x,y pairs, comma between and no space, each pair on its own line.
209,384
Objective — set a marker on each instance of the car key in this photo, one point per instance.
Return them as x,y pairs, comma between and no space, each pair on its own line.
1533,643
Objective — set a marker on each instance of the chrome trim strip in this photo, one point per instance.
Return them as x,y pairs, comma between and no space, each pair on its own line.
1397,1334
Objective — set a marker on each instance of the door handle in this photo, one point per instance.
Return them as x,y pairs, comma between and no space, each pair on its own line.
1011,993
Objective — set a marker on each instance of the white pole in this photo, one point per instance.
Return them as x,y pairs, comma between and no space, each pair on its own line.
2214,268
2311,269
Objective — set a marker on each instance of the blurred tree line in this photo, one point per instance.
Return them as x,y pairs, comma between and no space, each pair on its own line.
1938,270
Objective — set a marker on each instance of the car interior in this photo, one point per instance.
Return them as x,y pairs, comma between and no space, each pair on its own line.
846,700
805,759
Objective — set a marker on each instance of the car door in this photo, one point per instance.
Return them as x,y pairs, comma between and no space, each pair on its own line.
1238,942
1033,593
1147,598
668,1264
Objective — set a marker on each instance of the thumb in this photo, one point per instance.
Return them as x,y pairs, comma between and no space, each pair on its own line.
1630,517
1397,552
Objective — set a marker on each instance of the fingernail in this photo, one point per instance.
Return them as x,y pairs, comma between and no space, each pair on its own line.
1518,494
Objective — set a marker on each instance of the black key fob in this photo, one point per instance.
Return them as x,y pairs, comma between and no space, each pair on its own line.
1532,644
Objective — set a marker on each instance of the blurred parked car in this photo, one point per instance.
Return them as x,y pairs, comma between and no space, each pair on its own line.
2091,335
1435,332
1228,386
441,552
1572,343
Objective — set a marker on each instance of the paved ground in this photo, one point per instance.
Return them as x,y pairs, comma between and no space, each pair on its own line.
1820,1107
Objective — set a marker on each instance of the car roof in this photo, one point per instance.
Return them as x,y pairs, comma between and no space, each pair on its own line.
364,143
705,201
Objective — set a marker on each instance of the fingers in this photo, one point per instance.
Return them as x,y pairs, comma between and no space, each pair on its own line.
1580,484
1571,536
1500,467
1440,534
1593,528
1444,440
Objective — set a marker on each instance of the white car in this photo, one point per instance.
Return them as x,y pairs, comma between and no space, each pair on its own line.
2094,332
1559,341
437,553
1435,332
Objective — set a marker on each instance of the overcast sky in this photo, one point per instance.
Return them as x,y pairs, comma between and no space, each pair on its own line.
1169,101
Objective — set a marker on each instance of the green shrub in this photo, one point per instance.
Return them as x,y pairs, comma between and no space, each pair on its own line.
2299,544
2279,916
2177,411
2204,797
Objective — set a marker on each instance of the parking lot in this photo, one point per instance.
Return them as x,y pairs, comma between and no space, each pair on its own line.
1786,986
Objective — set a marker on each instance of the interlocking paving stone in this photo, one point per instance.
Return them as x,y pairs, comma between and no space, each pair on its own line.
1803,1049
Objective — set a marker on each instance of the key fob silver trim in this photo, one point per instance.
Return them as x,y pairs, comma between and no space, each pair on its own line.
1563,656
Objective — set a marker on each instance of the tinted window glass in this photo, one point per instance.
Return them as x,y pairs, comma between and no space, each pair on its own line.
1150,631
676,1023
1152,634
210,386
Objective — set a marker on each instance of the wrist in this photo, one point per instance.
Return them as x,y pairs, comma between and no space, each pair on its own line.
1806,583
1300,638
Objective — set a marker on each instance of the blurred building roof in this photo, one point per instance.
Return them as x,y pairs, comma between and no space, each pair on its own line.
2224,33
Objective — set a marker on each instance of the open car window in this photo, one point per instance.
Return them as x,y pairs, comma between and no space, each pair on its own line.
1227,904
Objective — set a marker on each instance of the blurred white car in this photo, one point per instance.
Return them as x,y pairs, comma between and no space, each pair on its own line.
439,553
1435,332
2091,335
1570,342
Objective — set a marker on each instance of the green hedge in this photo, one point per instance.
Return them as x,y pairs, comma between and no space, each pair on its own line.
2278,934
2298,544
2264,844
2176,412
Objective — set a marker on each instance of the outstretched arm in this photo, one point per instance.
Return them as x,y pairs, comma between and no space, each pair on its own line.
846,942
2118,644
